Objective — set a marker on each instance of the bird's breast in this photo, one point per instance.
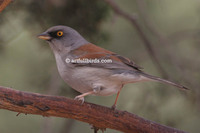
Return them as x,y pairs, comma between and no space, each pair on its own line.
85,79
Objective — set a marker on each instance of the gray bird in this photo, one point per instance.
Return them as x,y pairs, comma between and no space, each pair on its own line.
92,70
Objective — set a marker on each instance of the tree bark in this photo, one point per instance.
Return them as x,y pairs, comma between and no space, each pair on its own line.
3,4
58,106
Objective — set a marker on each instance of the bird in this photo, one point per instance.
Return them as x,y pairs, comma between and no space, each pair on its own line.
90,69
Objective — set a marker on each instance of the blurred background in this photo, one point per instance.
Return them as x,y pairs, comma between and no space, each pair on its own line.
167,46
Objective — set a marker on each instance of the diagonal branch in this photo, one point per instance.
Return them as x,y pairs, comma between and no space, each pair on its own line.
99,116
147,43
4,4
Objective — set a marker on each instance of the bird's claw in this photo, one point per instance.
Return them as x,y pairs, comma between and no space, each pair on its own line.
79,98
113,107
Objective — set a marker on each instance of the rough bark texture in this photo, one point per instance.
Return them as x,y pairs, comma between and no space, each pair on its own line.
99,116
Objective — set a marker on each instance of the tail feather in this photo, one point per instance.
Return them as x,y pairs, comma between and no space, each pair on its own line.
154,78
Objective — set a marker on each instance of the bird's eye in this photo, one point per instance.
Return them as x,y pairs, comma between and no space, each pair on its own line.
59,33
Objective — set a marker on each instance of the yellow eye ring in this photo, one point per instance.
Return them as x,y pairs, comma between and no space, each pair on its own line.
59,33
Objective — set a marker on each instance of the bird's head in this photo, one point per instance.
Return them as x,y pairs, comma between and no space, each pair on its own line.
62,38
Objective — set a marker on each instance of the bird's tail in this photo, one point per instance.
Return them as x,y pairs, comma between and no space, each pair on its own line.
154,78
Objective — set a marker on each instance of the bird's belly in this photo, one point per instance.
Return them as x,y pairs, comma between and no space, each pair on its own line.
85,79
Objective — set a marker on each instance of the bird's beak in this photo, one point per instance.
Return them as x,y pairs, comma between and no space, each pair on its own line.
44,36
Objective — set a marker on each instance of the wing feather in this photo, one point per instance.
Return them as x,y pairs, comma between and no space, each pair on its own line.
91,51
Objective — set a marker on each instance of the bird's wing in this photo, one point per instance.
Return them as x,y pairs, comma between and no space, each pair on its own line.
91,51
119,65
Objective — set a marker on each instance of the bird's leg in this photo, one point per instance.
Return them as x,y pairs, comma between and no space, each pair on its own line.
114,105
96,89
81,97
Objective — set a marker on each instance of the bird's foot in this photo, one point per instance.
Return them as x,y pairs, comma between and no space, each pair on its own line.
113,107
79,98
